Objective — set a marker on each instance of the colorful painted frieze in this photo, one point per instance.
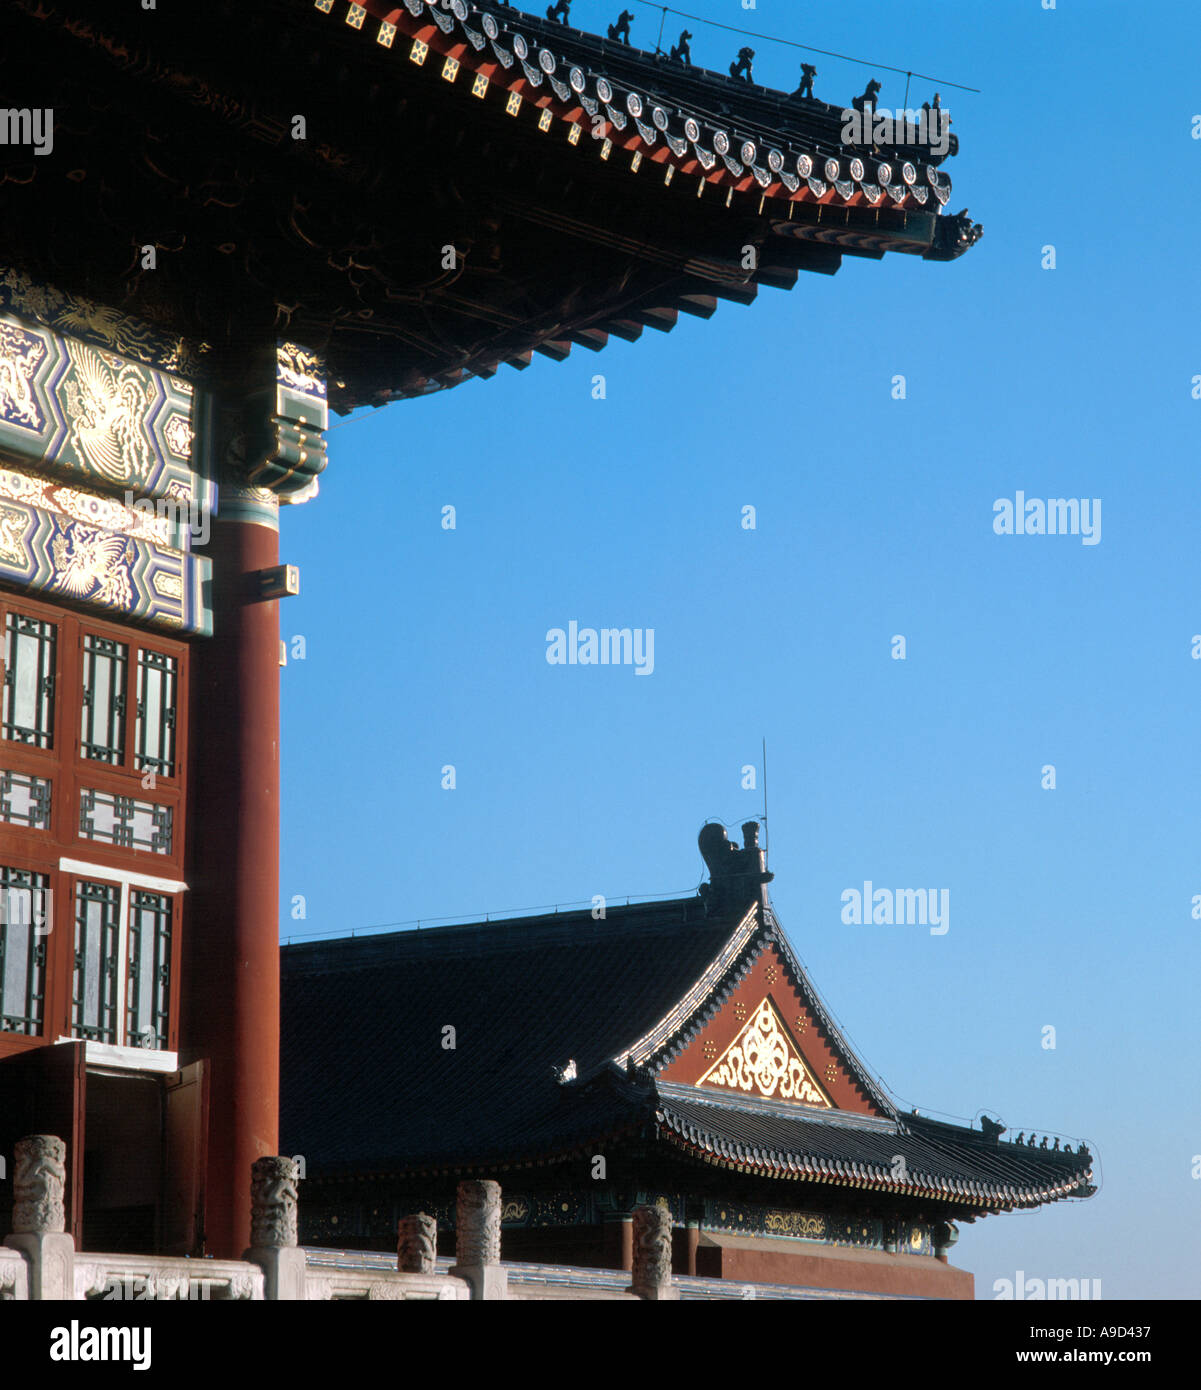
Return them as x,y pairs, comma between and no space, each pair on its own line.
96,418
67,544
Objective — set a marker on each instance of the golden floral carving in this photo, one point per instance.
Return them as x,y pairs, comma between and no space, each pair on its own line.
763,1059
795,1223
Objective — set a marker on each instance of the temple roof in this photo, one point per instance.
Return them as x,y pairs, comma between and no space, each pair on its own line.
418,193
688,1024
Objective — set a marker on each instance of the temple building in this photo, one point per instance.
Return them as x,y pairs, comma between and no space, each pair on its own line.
223,221
672,1053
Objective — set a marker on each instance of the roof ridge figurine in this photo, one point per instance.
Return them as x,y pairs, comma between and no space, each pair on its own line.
620,32
743,67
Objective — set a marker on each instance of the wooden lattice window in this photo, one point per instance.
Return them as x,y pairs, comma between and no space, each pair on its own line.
24,920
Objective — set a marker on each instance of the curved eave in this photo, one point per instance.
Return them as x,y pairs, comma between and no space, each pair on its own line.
809,209
724,160
960,1192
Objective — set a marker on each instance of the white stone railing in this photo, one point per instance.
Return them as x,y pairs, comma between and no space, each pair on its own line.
14,1279
159,1277
38,1261
377,1285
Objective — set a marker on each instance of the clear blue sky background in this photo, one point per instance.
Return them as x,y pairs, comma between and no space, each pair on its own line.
1068,907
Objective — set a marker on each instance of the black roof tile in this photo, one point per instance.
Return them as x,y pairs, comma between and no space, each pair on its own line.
365,1079
368,1086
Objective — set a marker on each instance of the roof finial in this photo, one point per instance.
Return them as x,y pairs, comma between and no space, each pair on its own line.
737,877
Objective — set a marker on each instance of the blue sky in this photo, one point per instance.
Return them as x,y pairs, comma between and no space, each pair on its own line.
1069,907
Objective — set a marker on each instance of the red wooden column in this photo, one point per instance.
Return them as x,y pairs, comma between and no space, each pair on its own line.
230,994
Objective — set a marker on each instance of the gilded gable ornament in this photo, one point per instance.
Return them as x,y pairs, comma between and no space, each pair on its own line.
763,1060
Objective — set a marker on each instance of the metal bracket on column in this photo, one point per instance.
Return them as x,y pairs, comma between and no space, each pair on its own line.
281,581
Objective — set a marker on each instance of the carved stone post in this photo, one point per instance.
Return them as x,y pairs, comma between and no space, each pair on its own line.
273,1207
652,1254
417,1244
38,1216
477,1239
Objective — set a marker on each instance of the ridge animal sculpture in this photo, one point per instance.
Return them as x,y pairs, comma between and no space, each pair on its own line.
620,32
682,52
743,67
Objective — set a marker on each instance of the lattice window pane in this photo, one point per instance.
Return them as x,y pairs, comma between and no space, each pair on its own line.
24,924
24,800
94,988
124,821
102,729
149,986
28,708
158,680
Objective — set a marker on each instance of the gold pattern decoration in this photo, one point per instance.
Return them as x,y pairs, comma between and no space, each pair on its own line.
13,525
300,368
178,434
763,1059
106,402
740,1011
771,974
514,1210
831,1071
93,564
88,507
795,1223
20,355
76,316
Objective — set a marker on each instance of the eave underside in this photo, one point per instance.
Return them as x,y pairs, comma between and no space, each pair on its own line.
178,135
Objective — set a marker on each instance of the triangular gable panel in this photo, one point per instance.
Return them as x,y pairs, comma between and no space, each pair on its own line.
791,1056
764,1060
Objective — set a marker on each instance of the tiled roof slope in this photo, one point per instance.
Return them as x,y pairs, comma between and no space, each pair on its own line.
909,1156
367,1081
367,1086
